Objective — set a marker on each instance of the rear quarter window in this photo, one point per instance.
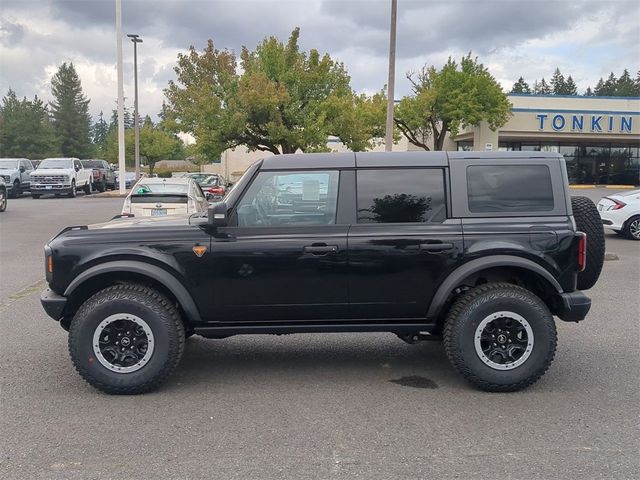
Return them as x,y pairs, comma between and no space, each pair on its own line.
509,188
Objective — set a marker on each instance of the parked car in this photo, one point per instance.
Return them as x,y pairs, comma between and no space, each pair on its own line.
16,173
478,249
129,179
156,197
103,175
3,195
61,176
213,185
620,212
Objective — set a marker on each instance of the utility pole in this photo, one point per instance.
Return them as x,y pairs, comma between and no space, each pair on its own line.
121,165
388,138
135,38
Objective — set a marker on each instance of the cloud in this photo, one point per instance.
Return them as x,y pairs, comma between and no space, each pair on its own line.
585,38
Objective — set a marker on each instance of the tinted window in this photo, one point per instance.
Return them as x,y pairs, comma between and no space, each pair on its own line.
290,198
401,196
510,188
92,164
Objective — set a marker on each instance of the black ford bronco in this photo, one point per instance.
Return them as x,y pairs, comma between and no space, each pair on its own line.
479,250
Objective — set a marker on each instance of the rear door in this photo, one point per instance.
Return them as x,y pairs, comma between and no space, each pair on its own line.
402,242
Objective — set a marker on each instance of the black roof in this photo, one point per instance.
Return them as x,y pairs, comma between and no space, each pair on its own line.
385,159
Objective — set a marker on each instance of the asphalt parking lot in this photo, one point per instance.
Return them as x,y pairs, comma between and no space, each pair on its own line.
310,405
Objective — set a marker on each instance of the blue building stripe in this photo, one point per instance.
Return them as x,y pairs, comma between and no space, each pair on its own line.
561,110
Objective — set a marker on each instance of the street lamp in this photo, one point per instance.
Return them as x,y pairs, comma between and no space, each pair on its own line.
388,138
136,121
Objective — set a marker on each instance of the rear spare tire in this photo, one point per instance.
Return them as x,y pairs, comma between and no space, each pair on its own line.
588,221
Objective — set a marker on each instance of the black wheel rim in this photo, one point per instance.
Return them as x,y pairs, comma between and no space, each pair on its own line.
123,343
504,340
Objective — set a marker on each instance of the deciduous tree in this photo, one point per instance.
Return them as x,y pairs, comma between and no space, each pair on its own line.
281,100
446,100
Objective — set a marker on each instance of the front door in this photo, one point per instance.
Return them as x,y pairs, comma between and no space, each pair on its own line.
286,259
402,243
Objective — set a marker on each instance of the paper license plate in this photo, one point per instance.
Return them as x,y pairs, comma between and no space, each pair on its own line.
158,212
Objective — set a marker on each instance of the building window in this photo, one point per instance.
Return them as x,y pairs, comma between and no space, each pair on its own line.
466,146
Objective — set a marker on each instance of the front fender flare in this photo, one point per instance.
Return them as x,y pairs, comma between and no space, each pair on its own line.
479,264
168,280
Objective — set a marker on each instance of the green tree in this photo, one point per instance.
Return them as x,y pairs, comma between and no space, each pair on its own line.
25,128
521,86
99,133
557,83
446,100
281,100
625,86
157,144
589,92
570,87
542,88
70,112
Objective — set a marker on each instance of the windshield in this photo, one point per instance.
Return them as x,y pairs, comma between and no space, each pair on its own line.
56,163
92,164
206,180
8,163
161,188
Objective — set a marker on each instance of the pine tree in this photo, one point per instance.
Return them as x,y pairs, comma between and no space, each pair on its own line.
625,86
521,86
25,128
558,85
570,87
599,88
607,88
589,92
99,133
543,87
70,112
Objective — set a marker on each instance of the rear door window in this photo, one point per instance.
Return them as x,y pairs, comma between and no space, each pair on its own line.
408,195
509,188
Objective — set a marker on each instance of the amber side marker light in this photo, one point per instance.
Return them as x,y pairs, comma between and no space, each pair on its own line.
50,263
199,250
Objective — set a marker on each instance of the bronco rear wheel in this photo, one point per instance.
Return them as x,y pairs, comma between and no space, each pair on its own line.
588,221
500,337
126,339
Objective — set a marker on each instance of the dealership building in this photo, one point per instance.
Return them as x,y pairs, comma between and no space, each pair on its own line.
598,136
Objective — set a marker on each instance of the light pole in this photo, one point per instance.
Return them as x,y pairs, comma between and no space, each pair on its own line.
135,38
388,138
121,165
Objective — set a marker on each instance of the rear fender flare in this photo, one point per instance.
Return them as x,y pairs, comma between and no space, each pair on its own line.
479,264
167,279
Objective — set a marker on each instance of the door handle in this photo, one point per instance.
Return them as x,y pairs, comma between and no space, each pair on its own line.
436,247
320,249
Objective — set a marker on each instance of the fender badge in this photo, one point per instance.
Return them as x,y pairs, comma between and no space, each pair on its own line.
199,250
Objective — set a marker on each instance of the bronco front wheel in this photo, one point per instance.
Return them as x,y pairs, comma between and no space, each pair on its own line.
126,339
500,337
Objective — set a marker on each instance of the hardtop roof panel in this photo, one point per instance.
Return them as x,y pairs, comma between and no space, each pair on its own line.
401,159
309,161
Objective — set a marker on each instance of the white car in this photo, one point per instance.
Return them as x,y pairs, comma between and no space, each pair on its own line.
157,197
620,212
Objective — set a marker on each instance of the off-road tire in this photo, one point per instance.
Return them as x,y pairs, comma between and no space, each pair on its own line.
588,221
3,200
102,186
88,188
35,196
627,230
162,318
467,313
74,192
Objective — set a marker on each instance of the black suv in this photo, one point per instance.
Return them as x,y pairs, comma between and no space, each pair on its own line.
477,249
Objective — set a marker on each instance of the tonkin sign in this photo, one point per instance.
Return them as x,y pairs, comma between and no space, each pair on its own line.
588,123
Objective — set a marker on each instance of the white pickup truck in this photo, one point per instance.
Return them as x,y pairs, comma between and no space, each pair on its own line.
61,176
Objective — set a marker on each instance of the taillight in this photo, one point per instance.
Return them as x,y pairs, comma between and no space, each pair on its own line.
126,208
618,204
582,251
217,190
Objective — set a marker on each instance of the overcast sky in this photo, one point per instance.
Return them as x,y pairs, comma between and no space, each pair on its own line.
586,39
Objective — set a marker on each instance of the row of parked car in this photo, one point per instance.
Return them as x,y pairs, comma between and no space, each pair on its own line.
59,176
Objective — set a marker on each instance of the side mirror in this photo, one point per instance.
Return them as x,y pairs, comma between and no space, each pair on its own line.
76,168
22,169
217,214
